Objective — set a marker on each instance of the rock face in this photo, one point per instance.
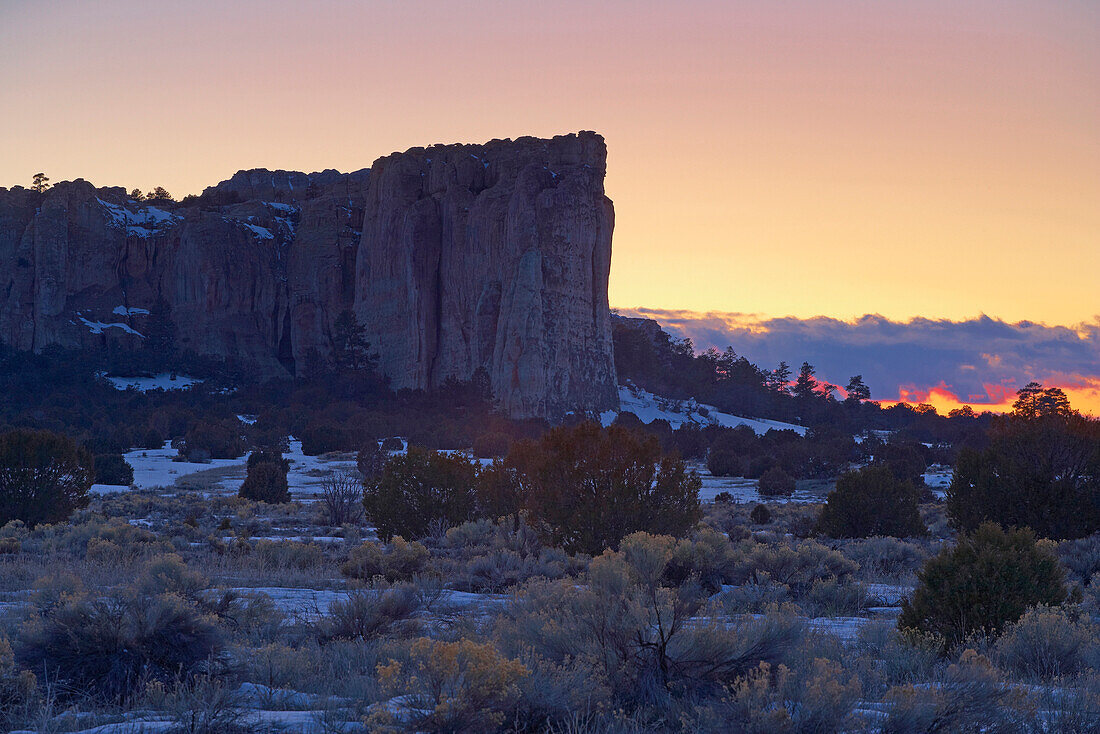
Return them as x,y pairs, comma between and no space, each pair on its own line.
455,258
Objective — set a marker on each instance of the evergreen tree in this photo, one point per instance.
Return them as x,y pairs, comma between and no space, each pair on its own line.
1032,402
779,379
857,390
350,348
40,182
805,385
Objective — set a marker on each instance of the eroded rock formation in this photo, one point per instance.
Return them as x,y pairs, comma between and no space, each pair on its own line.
455,258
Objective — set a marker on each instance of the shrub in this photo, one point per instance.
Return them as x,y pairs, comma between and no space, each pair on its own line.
772,698
590,487
44,477
871,501
268,457
983,583
266,482
17,688
831,598
904,459
152,439
289,554
451,686
885,556
392,444
760,515
1047,644
1042,473
112,646
723,463
420,490
797,565
1081,557
491,445
370,614
371,460
323,439
634,629
113,469
342,498
774,482
402,561
499,492
214,439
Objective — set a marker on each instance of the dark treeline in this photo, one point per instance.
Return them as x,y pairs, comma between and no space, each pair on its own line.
651,358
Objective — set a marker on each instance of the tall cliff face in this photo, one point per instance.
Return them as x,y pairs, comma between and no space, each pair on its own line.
455,258
494,257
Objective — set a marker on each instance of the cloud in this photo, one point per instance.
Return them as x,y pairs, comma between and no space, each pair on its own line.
980,361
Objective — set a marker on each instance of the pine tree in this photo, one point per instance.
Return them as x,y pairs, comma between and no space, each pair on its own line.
779,379
805,385
40,182
350,348
857,390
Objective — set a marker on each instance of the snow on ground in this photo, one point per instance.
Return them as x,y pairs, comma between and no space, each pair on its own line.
163,381
305,603
155,468
938,478
744,490
108,488
649,407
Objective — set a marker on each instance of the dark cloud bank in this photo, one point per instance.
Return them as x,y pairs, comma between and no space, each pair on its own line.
979,360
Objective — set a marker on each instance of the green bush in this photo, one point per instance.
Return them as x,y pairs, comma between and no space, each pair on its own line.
44,477
266,482
491,445
317,440
113,469
419,491
724,463
214,439
986,581
774,482
590,487
871,501
1042,473
760,515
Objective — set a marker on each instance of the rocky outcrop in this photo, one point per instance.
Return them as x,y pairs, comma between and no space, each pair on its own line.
455,258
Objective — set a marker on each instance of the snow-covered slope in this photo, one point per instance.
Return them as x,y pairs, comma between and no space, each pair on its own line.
649,407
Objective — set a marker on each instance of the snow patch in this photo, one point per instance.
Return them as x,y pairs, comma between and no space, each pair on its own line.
98,327
124,311
144,222
649,407
261,232
163,381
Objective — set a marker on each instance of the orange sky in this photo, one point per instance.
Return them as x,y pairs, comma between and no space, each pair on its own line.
937,158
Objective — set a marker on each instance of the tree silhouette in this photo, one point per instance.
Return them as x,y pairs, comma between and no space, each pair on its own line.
350,348
857,390
1033,402
40,182
805,385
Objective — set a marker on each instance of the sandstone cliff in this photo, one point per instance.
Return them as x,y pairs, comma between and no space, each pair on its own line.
455,258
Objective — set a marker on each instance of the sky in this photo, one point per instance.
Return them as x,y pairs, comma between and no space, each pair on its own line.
782,163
